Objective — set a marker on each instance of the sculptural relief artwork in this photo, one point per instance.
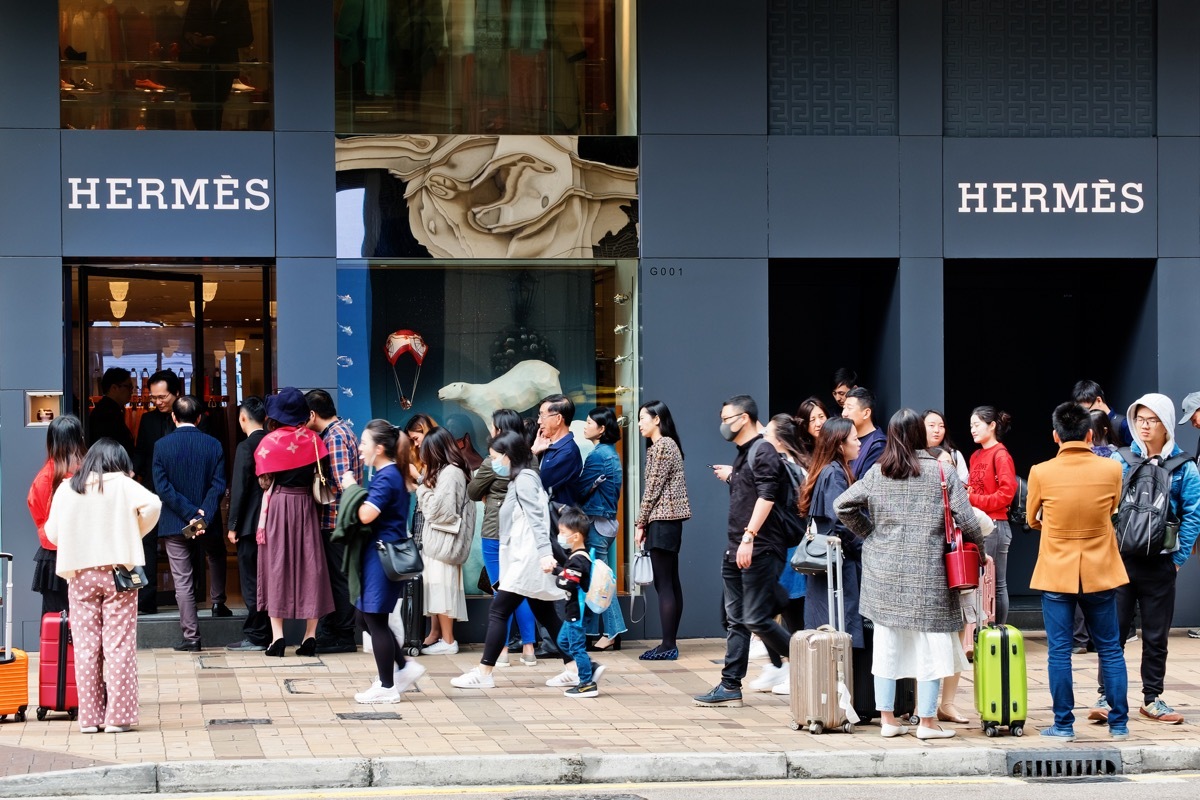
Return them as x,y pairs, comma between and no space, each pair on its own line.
505,197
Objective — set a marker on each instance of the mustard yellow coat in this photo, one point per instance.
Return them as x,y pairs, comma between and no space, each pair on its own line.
1077,494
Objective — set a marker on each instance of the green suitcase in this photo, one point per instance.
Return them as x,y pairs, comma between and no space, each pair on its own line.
1001,688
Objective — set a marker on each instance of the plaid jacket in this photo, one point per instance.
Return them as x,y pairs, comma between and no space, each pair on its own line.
339,438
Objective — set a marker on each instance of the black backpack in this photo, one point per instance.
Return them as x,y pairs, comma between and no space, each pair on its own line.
1145,525
1016,509
787,508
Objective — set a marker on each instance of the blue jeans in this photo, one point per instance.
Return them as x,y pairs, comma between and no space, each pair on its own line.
525,621
614,622
927,696
573,643
1100,612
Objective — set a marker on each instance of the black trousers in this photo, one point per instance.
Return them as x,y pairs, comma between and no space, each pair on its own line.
1152,586
257,627
503,605
148,595
336,627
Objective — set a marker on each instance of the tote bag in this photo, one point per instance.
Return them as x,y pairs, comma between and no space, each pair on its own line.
520,565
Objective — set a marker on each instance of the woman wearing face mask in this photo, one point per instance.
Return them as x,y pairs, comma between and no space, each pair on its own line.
992,485
660,520
524,513
488,487
810,417
383,507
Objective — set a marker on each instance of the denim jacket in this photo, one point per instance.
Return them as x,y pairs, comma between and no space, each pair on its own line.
1185,501
603,460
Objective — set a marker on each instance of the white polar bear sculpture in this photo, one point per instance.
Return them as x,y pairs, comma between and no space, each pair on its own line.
521,388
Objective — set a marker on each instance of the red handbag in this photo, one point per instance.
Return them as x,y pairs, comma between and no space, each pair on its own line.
962,558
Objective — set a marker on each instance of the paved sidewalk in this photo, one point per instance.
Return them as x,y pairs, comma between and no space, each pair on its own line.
227,706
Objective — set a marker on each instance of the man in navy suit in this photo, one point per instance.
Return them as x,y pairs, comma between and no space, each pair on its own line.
189,476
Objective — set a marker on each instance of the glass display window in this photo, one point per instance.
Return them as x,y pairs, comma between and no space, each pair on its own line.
458,340
486,66
165,64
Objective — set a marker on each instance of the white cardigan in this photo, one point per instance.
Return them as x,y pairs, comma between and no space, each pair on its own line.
96,529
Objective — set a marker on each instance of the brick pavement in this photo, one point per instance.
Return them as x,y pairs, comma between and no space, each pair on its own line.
218,705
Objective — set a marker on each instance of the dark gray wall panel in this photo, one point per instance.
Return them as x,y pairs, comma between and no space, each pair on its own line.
921,363
30,217
834,196
31,299
306,215
1178,68
1179,197
704,196
1050,234
306,325
921,196
715,305
921,68
189,156
303,65
28,64
702,66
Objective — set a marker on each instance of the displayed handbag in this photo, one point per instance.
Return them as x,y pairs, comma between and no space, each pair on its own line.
322,489
128,580
450,541
962,558
641,572
401,560
811,556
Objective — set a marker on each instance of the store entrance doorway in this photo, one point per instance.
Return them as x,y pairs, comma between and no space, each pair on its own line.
211,325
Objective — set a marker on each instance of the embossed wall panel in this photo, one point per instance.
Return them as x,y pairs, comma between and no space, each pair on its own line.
1049,68
832,67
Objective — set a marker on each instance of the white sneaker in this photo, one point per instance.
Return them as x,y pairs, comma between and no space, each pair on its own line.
502,659
784,687
770,677
564,679
377,694
405,679
473,679
757,649
597,671
440,648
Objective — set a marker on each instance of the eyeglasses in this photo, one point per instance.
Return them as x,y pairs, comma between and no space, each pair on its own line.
1147,422
729,419
549,414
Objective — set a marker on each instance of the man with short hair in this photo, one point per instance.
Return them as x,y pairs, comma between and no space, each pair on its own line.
1089,395
245,501
108,415
860,409
335,631
561,462
1152,578
753,557
154,425
1072,499
189,477
844,379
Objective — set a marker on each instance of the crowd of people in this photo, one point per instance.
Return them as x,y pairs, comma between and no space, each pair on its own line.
312,506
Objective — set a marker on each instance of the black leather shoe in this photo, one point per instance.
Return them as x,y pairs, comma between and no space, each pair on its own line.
336,647
221,610
188,646
276,648
245,646
307,648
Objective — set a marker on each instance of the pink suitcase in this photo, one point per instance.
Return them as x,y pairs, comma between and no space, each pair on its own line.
987,591
821,666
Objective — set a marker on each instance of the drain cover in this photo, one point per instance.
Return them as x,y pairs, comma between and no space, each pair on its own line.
1072,763
367,716
216,723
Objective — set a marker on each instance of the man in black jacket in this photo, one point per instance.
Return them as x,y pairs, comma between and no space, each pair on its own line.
245,500
165,387
108,416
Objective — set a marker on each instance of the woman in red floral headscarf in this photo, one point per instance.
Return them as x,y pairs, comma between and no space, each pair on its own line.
293,579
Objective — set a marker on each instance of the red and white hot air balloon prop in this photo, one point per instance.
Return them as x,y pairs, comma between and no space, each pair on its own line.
400,343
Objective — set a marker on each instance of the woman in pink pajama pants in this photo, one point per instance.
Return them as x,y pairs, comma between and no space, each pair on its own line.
97,520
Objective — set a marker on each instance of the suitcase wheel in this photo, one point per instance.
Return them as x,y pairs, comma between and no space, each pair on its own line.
72,714
991,730
41,713
848,727
413,651
1017,729
20,715
816,728
794,725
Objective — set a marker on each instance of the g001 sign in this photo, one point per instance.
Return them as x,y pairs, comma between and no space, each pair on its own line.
666,272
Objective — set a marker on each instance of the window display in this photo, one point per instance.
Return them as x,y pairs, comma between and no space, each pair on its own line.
158,65
485,66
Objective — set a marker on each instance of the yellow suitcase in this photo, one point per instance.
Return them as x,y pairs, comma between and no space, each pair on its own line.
14,663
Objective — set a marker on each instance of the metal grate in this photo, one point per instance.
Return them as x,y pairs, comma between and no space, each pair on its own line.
368,716
244,723
1069,764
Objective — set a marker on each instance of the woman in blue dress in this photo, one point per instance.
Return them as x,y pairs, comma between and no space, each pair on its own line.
386,450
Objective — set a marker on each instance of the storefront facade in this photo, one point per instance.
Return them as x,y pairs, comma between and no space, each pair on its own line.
755,198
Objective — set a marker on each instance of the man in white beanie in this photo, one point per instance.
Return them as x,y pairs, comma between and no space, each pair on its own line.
1152,577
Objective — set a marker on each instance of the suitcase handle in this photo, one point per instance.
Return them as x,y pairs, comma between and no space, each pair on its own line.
833,556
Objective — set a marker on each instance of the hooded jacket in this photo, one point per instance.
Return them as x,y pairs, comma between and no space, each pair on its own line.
1185,481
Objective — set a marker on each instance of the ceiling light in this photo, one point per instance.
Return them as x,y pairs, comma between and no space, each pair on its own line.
118,289
118,308
241,344
192,307
118,348
210,291
273,306
219,355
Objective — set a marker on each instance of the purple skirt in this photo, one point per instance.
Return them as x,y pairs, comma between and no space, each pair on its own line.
293,579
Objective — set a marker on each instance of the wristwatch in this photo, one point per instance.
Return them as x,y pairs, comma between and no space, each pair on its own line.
747,536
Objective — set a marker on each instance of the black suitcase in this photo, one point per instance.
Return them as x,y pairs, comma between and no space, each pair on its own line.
412,612
864,683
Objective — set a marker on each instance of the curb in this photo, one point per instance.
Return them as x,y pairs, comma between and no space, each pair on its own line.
250,775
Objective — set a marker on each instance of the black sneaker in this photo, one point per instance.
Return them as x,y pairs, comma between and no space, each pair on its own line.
245,646
720,697
583,690
336,647
1194,633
